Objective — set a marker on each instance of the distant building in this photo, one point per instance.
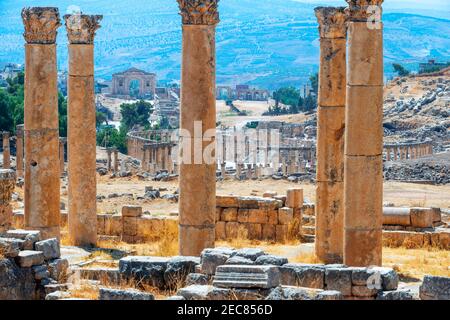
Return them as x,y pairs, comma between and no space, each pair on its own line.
241,92
431,66
9,71
134,83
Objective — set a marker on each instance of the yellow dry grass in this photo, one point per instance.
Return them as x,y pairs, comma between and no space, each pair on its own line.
84,291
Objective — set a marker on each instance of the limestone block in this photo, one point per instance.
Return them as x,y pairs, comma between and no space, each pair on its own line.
285,215
258,216
401,294
242,215
362,248
269,194
129,226
221,230
232,229
195,292
404,238
227,201
364,124
330,295
249,253
131,211
435,288
239,261
254,231
50,248
441,239
178,269
249,202
363,291
330,144
282,199
29,258
272,216
294,198
422,217
293,293
218,213
271,260
339,279
58,268
389,277
101,224
229,215
40,272
396,216
30,237
365,55
229,276
437,217
303,275
211,258
197,278
148,269
113,225
269,231
129,294
281,233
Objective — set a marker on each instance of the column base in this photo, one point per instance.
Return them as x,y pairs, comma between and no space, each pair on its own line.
193,239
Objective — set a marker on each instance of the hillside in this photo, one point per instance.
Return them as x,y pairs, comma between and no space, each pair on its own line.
270,44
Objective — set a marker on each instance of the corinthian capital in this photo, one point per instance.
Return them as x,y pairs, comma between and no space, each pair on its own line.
199,12
364,10
332,22
81,28
41,24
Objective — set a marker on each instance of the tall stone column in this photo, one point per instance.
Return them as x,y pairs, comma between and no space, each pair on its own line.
198,104
19,150
42,173
7,184
108,160
330,134
388,154
82,130
62,142
6,151
363,168
116,159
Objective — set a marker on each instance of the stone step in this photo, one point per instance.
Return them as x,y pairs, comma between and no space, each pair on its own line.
309,230
305,238
244,276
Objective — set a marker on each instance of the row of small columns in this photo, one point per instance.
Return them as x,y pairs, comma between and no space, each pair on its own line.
44,154
350,135
112,164
404,152
156,157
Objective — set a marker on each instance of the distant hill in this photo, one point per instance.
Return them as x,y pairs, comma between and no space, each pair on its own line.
266,43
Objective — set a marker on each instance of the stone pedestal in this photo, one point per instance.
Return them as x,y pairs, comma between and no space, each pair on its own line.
197,204
42,186
82,130
19,150
330,134
363,169
6,151
7,184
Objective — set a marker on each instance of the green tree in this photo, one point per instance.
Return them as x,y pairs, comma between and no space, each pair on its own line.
288,96
101,118
401,70
135,114
111,137
314,81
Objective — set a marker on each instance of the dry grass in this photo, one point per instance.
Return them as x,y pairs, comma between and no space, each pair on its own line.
306,257
84,291
416,263
294,230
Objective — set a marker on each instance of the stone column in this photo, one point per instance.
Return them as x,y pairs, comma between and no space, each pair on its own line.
363,168
81,130
116,159
42,172
330,134
7,184
197,205
6,151
62,141
388,154
19,150
108,161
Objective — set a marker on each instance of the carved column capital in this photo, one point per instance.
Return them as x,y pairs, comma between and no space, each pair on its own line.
332,22
41,24
81,28
199,12
363,10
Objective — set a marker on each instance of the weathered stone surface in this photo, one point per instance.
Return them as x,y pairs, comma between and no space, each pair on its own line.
57,295
58,268
233,276
330,295
211,258
195,292
29,236
421,217
175,298
29,258
16,283
148,269
435,288
401,294
239,261
227,201
364,291
249,253
271,260
389,277
9,247
197,278
293,293
56,287
50,248
303,275
40,272
339,279
129,294
178,268
285,215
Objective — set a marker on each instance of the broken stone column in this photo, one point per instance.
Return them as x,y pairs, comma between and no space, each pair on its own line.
7,184
62,141
116,159
82,130
19,150
6,151
197,204
42,172
330,134
363,168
